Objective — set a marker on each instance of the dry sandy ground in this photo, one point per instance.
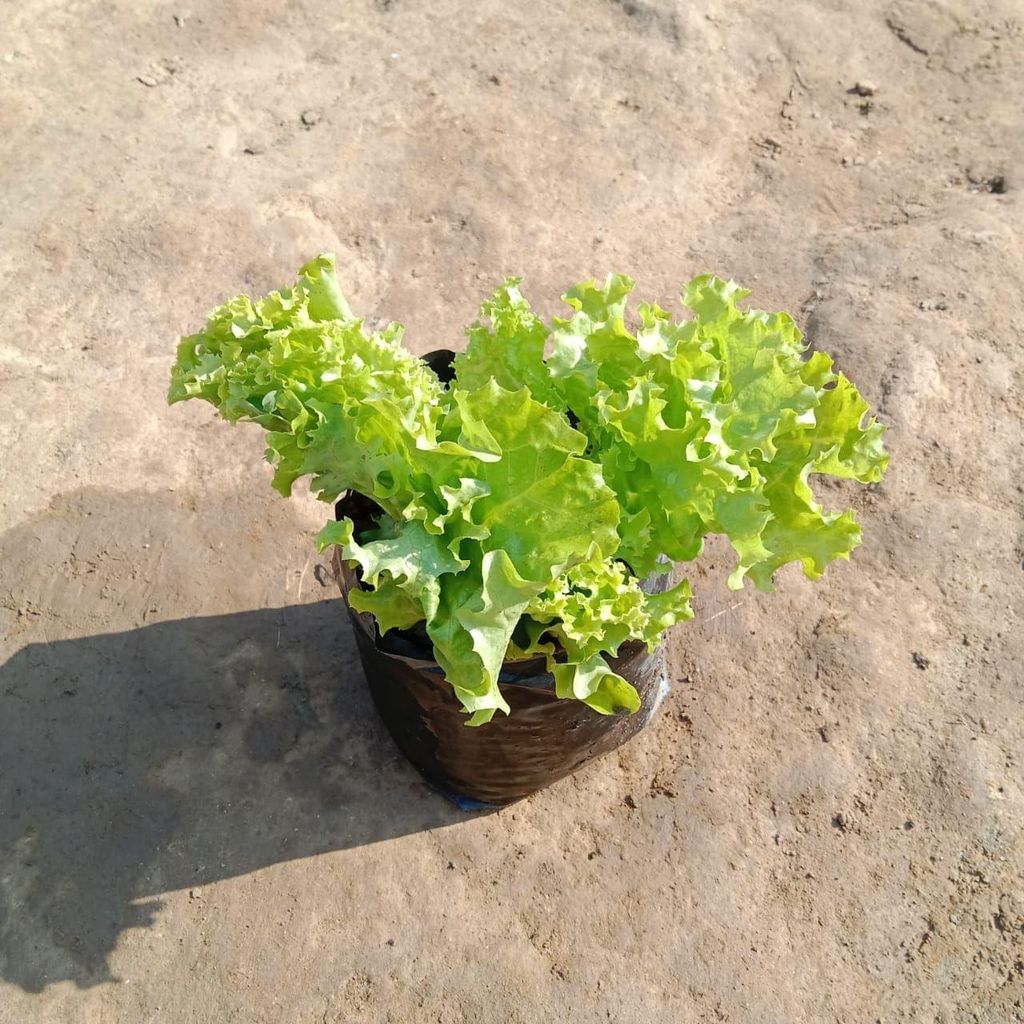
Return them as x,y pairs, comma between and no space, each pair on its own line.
201,819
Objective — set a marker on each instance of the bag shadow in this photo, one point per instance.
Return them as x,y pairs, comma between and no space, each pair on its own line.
174,755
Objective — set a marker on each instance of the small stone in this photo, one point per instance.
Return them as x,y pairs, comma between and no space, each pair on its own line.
920,660
987,180
311,117
863,89
630,802
147,80
195,894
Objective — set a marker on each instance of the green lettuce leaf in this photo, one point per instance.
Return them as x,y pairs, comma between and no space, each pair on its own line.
521,505
712,425
525,508
520,519
545,505
354,410
408,557
511,351
590,611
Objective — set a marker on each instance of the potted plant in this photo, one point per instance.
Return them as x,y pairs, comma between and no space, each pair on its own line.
506,521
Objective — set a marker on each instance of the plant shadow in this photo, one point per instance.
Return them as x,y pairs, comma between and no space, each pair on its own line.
174,755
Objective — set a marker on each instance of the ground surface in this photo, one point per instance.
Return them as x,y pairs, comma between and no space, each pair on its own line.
200,818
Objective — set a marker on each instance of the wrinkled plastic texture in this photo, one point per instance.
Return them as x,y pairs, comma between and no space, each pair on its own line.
544,739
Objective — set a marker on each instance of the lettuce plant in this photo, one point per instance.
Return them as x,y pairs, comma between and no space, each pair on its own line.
522,503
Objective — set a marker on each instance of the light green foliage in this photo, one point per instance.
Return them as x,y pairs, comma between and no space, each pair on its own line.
591,610
521,505
353,409
711,425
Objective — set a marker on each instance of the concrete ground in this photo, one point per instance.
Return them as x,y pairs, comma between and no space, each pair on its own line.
201,819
